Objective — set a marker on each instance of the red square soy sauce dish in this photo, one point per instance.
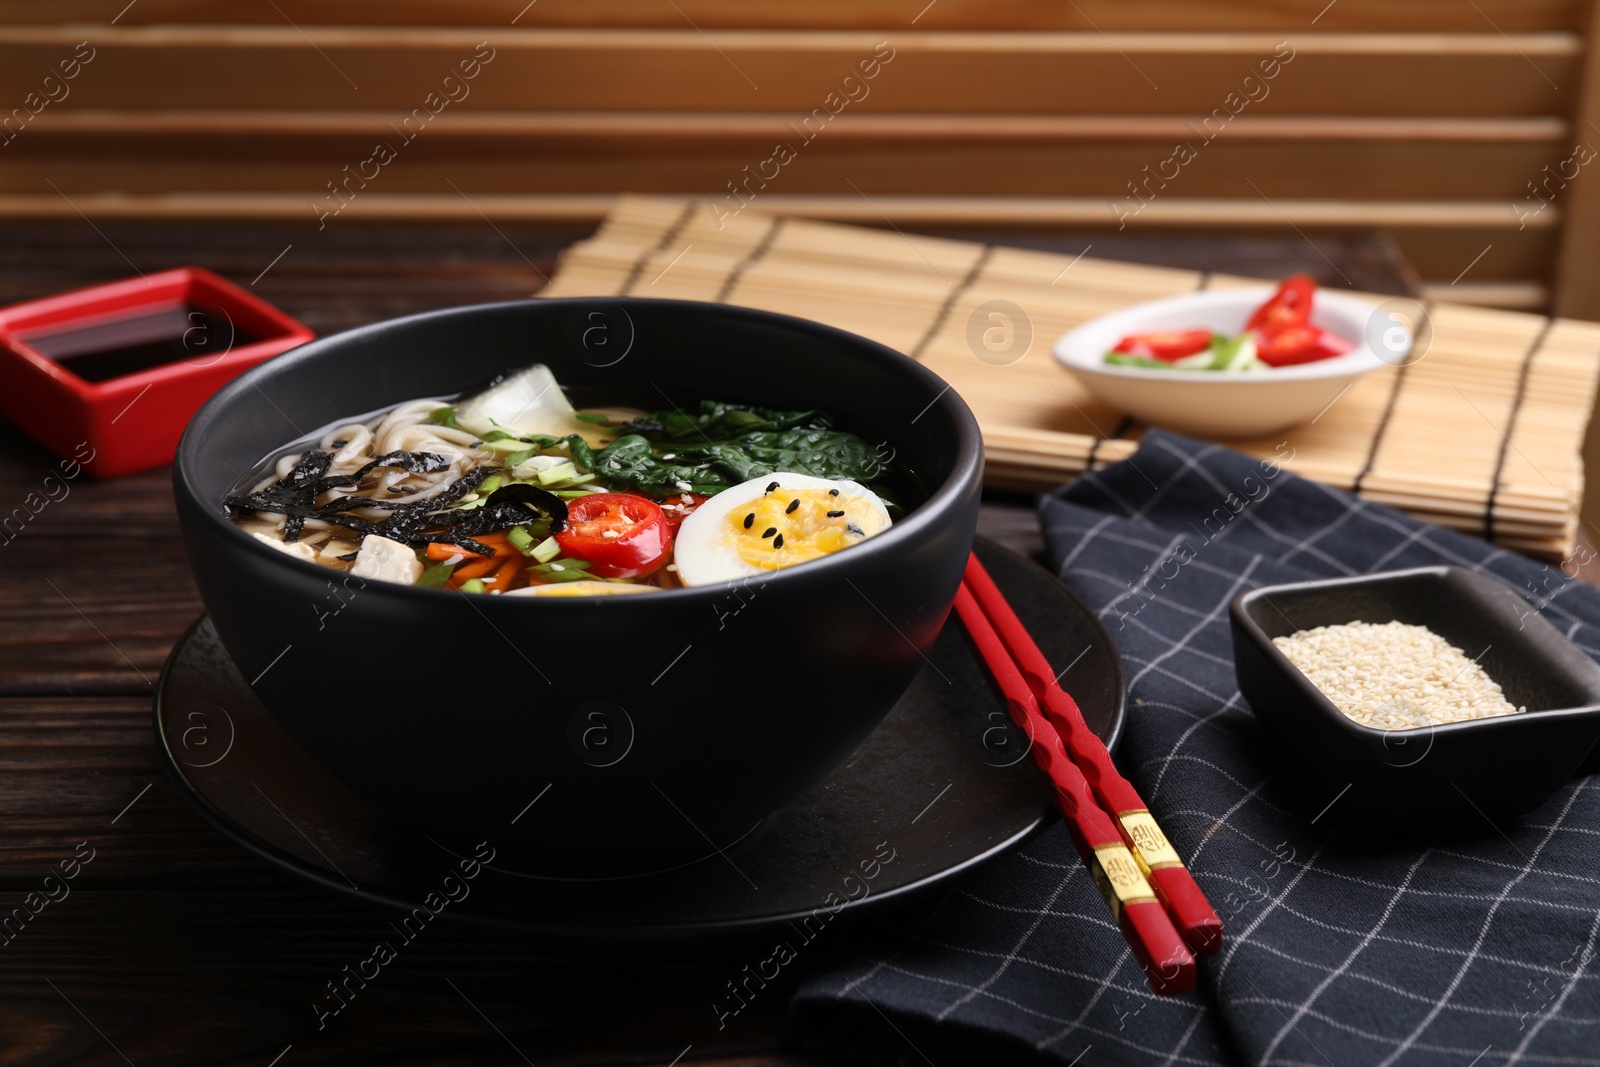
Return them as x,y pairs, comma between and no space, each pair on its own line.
109,376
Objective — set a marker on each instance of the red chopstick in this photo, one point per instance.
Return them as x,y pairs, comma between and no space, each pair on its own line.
1191,913
1149,931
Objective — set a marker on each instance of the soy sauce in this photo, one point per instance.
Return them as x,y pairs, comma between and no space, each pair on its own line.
150,337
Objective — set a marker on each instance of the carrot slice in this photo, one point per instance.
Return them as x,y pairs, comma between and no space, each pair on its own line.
476,569
484,564
440,552
506,576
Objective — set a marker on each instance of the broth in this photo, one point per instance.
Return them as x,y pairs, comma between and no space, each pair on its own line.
437,492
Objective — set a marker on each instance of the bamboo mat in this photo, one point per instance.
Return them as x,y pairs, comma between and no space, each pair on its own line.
1483,433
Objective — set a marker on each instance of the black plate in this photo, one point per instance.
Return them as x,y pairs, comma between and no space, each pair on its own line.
941,785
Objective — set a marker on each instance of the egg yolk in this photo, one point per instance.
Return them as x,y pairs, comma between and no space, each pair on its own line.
789,526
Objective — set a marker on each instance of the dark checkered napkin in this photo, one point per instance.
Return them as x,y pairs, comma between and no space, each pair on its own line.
1469,947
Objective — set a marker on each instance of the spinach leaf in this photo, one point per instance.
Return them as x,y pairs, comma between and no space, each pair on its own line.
718,421
723,444
631,462
708,468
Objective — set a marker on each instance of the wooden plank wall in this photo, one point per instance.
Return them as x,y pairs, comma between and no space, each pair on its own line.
1454,125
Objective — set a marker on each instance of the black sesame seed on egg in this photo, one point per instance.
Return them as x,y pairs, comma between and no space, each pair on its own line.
790,510
749,520
770,531
777,542
835,514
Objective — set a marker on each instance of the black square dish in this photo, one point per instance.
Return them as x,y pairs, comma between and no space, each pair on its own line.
1502,766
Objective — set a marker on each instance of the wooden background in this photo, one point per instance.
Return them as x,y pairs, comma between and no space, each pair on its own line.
1432,119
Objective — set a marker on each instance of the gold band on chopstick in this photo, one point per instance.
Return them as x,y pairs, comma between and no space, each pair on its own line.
1118,876
1154,851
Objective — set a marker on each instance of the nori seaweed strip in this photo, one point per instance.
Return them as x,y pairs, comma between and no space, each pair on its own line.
289,497
413,462
335,508
431,520
482,521
302,490
493,517
282,495
409,521
461,486
542,499
413,524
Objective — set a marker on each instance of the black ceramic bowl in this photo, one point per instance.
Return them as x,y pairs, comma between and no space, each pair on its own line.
1502,766
586,736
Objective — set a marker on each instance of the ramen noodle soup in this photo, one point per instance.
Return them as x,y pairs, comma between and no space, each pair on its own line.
513,491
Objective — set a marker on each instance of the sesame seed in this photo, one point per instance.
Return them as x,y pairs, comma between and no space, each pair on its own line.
777,542
770,531
835,514
669,455
771,487
1394,676
833,492
557,567
749,520
793,504
610,535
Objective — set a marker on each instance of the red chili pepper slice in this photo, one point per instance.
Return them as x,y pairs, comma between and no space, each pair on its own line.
1298,344
676,508
1167,345
621,535
1331,344
1289,306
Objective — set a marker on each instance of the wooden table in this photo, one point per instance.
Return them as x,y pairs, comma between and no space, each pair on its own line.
175,946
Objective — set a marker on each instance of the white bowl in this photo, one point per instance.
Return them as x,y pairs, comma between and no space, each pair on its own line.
1230,404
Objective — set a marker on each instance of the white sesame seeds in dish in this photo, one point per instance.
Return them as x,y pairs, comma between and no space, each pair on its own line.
1395,676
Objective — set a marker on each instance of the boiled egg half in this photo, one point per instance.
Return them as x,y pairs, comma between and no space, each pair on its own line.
773,522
